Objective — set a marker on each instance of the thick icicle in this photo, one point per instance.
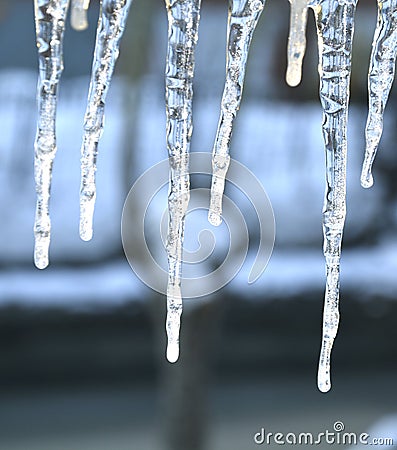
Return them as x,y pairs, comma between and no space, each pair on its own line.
335,25
296,41
183,21
50,18
78,17
112,20
380,80
243,18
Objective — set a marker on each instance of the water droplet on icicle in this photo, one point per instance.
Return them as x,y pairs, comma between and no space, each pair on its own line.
380,80
243,18
183,21
50,26
111,24
78,15
296,41
335,26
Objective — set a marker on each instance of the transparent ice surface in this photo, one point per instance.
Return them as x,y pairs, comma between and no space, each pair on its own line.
296,41
380,80
243,18
50,18
112,20
335,26
183,21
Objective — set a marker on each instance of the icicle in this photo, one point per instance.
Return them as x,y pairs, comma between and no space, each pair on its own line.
113,17
335,25
78,17
183,21
243,18
50,26
380,80
296,41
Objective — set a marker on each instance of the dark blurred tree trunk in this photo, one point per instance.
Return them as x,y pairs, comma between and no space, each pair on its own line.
184,386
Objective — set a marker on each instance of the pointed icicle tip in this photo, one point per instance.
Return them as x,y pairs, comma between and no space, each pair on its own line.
86,234
79,20
173,353
78,16
323,379
294,74
367,180
41,253
41,263
296,41
214,218
324,387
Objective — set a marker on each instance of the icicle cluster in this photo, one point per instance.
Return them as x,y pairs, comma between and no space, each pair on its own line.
335,27
50,17
183,21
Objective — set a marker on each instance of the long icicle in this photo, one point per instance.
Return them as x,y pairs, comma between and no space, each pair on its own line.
50,18
243,18
296,41
183,21
380,80
335,26
78,16
112,20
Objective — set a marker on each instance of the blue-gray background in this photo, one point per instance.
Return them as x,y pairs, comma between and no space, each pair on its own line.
82,343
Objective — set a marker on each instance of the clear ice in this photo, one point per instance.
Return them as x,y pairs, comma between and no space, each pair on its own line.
380,80
50,16
335,26
243,18
112,20
183,21
296,41
78,16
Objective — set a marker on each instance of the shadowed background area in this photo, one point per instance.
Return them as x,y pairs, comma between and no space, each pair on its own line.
82,343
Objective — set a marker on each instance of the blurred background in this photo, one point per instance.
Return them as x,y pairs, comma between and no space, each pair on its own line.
82,344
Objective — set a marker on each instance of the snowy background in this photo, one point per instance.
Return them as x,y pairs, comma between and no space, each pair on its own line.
89,335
